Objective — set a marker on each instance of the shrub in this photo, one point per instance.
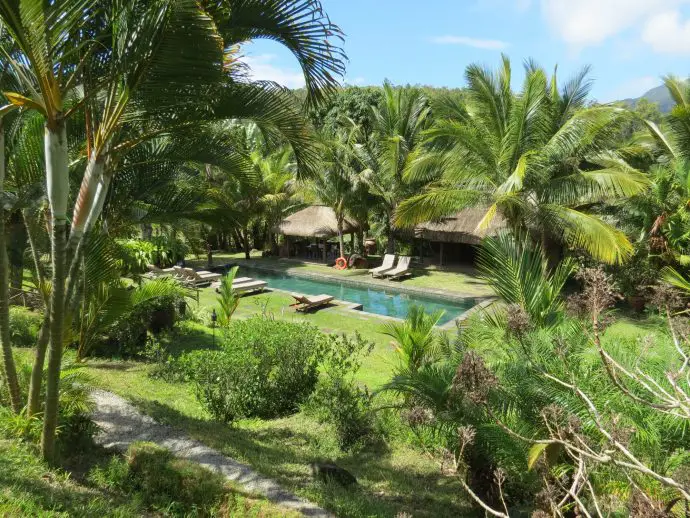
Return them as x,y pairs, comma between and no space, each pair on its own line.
127,336
75,426
265,368
136,255
338,400
162,482
24,326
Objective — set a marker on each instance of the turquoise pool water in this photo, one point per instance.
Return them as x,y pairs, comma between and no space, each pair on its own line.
373,300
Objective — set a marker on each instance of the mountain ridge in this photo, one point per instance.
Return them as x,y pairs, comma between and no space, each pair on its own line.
658,94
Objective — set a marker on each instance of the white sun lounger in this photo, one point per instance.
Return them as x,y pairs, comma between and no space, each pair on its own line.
307,302
249,286
387,264
401,270
236,281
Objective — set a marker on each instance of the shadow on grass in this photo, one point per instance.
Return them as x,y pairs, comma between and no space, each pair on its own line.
111,365
283,452
33,491
191,339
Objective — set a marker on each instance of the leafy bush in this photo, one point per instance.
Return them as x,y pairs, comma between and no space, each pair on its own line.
136,255
265,368
75,426
162,482
24,326
127,336
338,400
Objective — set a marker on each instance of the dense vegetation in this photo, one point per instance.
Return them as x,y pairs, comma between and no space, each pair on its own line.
131,135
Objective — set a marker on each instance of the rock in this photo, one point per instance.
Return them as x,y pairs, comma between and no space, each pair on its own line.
329,472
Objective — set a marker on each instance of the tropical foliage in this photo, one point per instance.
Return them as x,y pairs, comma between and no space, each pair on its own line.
539,159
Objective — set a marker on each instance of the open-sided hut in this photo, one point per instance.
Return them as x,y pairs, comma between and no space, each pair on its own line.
316,222
459,229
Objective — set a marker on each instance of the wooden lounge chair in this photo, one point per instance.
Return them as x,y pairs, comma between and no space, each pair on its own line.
400,271
154,271
238,280
244,287
387,264
179,274
309,302
201,277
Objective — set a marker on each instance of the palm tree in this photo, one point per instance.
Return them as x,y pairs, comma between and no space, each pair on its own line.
660,215
539,158
399,123
278,199
142,68
672,140
336,187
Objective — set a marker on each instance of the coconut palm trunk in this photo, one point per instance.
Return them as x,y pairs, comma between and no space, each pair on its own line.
341,240
57,173
245,243
8,365
34,403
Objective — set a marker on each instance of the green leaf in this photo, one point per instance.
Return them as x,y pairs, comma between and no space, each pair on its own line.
551,452
534,454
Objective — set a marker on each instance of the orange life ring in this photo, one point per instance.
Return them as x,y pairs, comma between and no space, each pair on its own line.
341,263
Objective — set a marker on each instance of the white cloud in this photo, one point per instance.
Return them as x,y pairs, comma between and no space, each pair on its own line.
633,88
261,68
583,23
667,32
470,42
354,81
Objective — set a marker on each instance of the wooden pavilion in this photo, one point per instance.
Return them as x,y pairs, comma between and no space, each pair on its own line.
460,228
316,222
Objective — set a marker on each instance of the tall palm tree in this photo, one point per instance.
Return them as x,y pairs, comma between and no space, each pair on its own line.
128,72
279,197
399,123
336,187
539,158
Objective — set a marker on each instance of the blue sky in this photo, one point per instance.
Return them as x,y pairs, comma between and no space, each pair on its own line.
629,43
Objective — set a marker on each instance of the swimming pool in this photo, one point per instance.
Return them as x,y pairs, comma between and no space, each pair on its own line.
373,300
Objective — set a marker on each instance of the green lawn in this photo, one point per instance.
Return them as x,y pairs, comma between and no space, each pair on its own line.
392,478
30,488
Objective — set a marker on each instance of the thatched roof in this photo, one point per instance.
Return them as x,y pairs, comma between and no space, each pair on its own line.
315,221
460,228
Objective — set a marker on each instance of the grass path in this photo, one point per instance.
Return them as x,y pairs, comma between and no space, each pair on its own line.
121,425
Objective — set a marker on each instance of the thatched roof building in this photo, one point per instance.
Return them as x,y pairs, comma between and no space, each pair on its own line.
460,228
316,221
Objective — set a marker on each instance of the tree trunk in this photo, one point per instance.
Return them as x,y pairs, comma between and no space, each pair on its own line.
390,246
17,241
8,365
552,250
58,189
34,405
245,243
209,254
341,240
146,231
272,243
360,242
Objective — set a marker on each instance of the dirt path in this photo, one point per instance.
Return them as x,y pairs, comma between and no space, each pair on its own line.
122,424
